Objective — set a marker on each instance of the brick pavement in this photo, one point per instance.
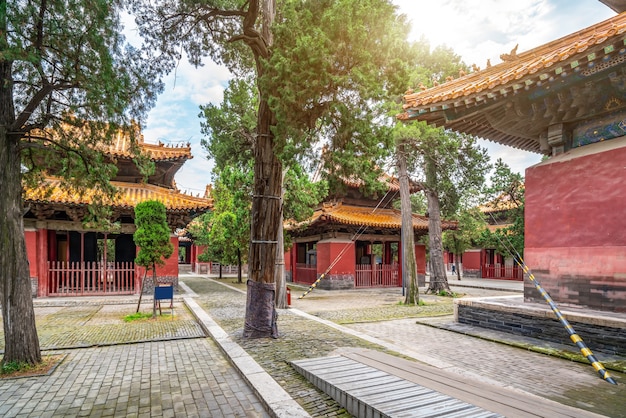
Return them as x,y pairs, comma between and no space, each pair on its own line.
560,380
130,380
189,378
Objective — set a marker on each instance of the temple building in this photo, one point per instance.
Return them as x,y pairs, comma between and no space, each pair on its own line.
488,263
566,100
69,258
354,241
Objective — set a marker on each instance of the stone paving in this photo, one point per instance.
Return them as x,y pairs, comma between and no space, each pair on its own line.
149,368
166,378
563,381
171,369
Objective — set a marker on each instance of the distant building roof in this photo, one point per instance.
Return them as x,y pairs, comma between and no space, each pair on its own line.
121,147
337,212
130,194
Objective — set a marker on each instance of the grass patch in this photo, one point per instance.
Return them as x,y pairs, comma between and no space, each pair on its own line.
18,369
138,316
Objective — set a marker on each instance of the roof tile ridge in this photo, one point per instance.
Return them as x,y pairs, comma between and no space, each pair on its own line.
618,23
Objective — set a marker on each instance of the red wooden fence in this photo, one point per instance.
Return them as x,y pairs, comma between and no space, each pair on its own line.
499,271
377,275
306,273
67,278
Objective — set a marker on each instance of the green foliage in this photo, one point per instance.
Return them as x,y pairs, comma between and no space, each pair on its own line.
446,162
418,203
506,191
14,366
229,129
301,194
78,80
506,187
226,230
470,227
352,57
152,235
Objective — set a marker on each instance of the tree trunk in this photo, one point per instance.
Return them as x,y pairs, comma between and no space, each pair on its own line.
457,257
281,285
266,212
141,291
409,266
154,284
438,278
266,216
239,279
21,343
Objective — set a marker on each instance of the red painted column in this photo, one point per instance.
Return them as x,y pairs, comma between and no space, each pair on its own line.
420,258
42,262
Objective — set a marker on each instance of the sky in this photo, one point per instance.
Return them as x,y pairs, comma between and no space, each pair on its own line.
476,30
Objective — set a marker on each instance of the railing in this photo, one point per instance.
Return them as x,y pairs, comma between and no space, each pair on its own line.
68,278
305,273
231,269
378,275
499,271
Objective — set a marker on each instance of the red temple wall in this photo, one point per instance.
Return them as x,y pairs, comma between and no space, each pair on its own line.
420,258
328,251
170,269
576,226
471,260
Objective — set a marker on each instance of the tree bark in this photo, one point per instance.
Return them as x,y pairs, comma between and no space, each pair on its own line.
154,285
143,281
266,215
457,257
409,266
281,285
438,278
260,320
21,343
239,279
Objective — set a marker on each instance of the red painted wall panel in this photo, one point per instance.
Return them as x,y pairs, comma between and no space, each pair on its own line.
328,251
575,220
471,260
593,277
578,202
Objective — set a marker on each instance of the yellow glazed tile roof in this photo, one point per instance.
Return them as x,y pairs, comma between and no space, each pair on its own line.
121,147
532,62
367,216
130,194
459,104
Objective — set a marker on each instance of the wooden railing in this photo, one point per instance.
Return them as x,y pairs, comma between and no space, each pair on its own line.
67,278
499,271
378,275
305,273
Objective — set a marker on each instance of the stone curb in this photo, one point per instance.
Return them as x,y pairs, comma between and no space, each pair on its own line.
276,400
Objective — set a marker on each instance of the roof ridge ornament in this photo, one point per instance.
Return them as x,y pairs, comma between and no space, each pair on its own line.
511,56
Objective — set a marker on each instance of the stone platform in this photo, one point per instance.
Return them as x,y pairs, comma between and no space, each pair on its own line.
601,331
